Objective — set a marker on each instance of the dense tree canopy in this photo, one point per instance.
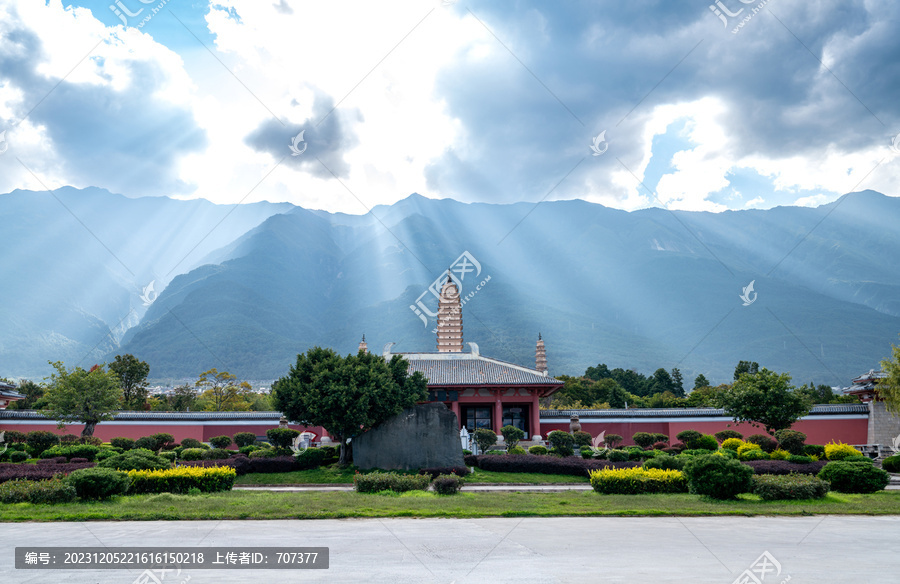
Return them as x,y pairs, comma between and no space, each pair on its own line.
80,396
346,395
765,398
220,391
132,375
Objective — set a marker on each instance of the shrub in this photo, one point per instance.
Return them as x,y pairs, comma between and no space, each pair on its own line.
242,439
192,454
791,486
814,450
271,464
643,439
717,477
617,455
98,483
182,479
537,449
706,442
434,473
68,439
754,454
854,477
890,464
466,451
689,437
726,453
161,439
496,452
511,435
310,458
137,459
780,454
747,447
15,437
767,443
39,441
840,451
661,438
516,450
562,443
586,452
169,455
791,440
281,437
797,459
612,440
665,463
484,438
18,456
375,482
246,450
545,464
220,441
45,469
191,443
732,444
145,443
75,451
724,435
630,481
92,441
583,438
447,484
123,443
859,458
49,491
217,454
643,454
660,445
105,453
784,467
78,460
263,453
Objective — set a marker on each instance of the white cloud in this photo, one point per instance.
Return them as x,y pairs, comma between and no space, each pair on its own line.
812,200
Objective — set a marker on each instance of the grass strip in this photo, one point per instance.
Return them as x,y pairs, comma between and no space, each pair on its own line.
335,475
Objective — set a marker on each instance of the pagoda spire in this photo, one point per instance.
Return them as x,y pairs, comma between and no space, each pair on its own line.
540,355
363,347
449,318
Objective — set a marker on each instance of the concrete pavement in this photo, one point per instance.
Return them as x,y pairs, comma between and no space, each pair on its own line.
819,549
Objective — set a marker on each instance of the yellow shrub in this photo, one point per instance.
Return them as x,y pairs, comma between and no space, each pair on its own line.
779,454
627,481
840,451
732,443
746,447
182,479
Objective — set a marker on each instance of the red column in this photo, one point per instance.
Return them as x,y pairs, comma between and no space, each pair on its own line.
454,407
498,412
535,415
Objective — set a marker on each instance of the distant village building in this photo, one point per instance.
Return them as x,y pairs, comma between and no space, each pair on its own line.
481,391
8,394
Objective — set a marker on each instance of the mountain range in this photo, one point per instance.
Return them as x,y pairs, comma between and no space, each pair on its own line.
190,285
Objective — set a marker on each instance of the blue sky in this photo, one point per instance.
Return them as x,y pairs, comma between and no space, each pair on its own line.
794,104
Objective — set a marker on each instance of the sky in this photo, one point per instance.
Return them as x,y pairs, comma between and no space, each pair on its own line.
342,106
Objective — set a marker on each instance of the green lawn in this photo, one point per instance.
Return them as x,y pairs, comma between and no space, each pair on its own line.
335,475
318,505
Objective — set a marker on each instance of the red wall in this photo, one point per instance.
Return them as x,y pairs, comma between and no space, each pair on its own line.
818,431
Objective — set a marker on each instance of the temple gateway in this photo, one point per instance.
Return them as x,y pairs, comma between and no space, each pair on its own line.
482,392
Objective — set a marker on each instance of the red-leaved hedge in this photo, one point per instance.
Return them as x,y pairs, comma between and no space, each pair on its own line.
783,467
547,464
38,472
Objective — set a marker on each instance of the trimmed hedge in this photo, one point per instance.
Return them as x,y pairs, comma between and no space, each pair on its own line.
582,438
98,483
311,458
665,463
546,464
787,487
47,491
123,443
724,435
783,467
562,443
538,450
767,443
18,456
137,459
732,444
840,451
242,439
891,463
376,482
281,437
182,480
854,477
434,473
220,441
447,484
791,440
631,481
617,455
38,472
717,477
191,443
217,454
192,454
75,451
38,441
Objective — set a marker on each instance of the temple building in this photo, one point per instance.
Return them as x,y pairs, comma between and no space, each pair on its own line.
8,394
481,391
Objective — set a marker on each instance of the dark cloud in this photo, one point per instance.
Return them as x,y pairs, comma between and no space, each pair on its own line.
326,138
124,140
600,61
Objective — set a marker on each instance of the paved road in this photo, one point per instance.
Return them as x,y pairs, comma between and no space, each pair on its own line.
819,549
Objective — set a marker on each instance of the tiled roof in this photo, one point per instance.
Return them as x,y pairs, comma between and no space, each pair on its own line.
473,369
9,391
157,416
820,410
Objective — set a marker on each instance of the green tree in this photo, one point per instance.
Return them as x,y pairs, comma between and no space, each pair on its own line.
751,367
80,396
346,395
132,375
706,396
221,392
661,382
182,398
889,388
34,396
677,382
766,398
700,381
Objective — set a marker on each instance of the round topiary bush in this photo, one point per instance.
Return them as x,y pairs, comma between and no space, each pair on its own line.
665,463
791,440
216,454
246,450
586,452
779,454
643,439
617,455
724,435
484,438
612,440
98,483
755,454
281,437
137,459
747,447
717,477
840,451
242,439
688,437
814,450
538,450
767,443
891,463
192,454
706,442
221,442
562,443
123,443
732,444
145,443
38,441
516,450
191,443
854,477
18,456
582,438
311,458
447,484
